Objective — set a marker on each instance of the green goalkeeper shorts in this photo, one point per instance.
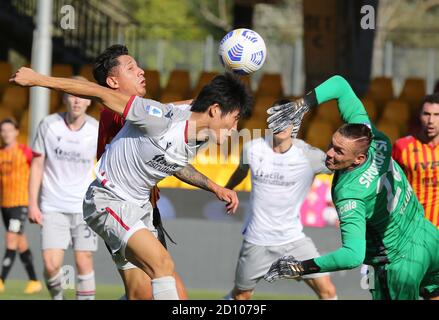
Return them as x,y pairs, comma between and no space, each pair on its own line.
414,274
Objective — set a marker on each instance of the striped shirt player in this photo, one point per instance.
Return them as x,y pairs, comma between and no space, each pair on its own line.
420,162
14,174
15,162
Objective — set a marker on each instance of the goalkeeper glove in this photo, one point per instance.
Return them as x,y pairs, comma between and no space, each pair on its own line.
288,267
285,115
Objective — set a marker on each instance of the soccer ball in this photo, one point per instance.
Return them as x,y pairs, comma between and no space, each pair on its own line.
242,51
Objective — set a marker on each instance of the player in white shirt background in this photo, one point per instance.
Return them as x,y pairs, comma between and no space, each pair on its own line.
282,172
61,170
156,141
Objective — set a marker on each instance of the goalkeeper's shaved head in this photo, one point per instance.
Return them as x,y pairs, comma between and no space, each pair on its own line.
359,133
349,147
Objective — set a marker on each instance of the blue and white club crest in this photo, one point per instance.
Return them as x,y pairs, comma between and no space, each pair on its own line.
154,111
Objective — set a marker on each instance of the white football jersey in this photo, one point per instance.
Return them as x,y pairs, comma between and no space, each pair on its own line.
280,183
69,160
150,146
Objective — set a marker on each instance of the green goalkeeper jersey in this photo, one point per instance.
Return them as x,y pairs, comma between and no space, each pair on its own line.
378,211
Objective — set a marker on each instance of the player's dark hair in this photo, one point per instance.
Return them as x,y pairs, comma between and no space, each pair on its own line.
106,61
430,98
11,121
229,92
358,132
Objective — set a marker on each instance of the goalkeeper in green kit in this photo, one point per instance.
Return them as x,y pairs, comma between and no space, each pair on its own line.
382,223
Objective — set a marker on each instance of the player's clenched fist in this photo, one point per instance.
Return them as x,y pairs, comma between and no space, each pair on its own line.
24,77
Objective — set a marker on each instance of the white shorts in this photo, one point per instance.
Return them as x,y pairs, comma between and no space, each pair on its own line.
59,230
255,261
115,220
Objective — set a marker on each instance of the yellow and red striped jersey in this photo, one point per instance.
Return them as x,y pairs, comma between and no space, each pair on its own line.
420,162
14,175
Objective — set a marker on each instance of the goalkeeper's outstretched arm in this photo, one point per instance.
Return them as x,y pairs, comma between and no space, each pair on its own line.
350,107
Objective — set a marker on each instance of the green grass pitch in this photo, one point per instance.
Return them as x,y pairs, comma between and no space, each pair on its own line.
14,291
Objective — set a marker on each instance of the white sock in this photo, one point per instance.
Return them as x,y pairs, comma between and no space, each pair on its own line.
54,286
86,286
164,288
333,298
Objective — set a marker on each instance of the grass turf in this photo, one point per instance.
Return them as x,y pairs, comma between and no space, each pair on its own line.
14,291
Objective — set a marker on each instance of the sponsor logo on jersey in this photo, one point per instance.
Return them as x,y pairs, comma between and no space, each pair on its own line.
345,208
70,156
154,111
426,165
377,162
159,163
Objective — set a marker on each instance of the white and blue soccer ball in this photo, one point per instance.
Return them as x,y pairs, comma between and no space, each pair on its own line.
242,51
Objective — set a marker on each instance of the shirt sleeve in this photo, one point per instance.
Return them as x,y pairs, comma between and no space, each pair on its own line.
38,145
150,116
349,105
315,156
352,215
110,124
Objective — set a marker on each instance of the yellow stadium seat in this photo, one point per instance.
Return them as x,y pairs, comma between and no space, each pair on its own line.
380,90
168,97
371,108
5,72
94,111
153,88
247,81
397,112
319,134
24,121
23,138
6,113
261,106
328,112
62,70
55,100
178,86
389,129
15,99
86,71
205,78
270,85
413,91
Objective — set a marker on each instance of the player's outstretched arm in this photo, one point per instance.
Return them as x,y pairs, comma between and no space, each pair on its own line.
350,107
113,100
193,177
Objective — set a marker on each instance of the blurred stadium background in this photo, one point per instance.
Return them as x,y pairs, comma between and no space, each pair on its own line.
391,66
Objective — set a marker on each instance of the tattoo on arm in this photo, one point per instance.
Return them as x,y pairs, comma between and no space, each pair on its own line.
193,177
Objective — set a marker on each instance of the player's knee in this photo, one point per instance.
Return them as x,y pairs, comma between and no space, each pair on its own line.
84,262
51,266
164,266
327,291
11,240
